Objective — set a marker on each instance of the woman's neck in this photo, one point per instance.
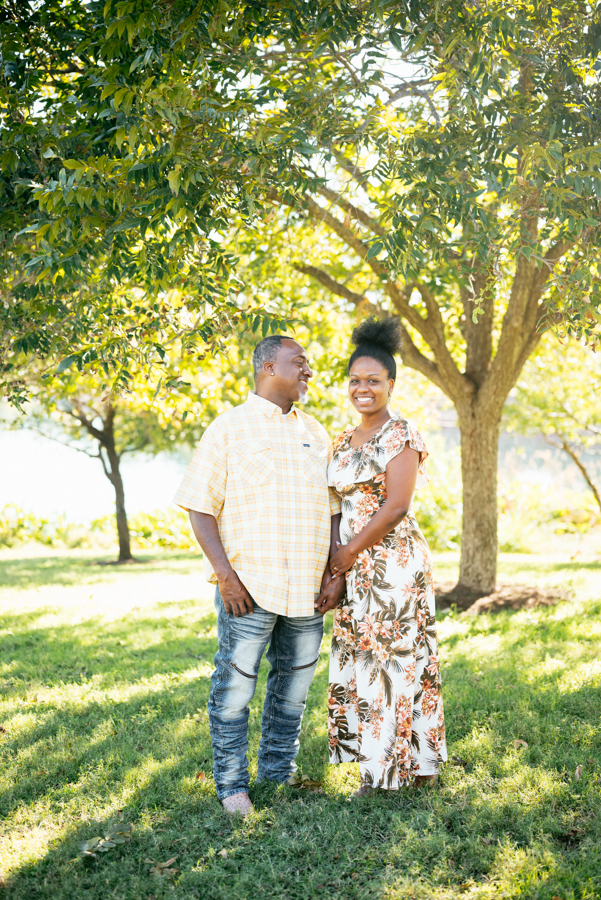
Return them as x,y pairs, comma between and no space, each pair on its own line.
374,421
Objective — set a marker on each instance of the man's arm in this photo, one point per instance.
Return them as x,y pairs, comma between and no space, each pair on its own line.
236,599
332,589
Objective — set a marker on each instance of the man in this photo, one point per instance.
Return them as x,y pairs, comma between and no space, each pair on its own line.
256,491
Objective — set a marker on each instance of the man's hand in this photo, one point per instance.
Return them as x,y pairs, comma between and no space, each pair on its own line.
236,599
332,592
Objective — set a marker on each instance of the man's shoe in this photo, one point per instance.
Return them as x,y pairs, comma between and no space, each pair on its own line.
238,804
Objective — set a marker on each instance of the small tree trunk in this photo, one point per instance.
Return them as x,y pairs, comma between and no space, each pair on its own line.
479,453
120,514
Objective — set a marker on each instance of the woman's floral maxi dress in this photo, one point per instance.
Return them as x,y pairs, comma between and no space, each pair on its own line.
385,702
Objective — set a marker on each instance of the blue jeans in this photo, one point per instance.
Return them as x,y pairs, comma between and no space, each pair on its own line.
293,654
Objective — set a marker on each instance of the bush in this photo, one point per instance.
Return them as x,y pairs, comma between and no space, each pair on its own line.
18,527
169,529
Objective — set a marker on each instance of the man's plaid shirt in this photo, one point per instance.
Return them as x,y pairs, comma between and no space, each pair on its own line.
263,476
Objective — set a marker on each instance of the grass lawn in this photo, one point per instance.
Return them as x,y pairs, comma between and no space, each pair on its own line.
104,678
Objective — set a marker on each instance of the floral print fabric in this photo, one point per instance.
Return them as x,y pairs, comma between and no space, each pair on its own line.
385,702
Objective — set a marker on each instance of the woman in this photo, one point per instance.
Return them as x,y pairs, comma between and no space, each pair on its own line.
385,702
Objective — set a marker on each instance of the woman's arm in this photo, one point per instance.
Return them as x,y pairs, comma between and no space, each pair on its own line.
401,475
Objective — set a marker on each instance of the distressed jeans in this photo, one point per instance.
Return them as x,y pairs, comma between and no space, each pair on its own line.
293,653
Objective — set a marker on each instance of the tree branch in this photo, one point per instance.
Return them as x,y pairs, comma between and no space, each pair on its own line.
353,170
410,354
108,472
565,446
49,437
336,287
81,417
550,259
431,329
352,210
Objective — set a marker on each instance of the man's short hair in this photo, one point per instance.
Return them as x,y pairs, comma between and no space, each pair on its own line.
267,350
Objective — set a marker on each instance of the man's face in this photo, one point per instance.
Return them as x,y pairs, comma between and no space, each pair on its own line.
291,371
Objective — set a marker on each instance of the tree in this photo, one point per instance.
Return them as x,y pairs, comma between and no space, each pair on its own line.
557,396
473,214
138,128
450,148
151,417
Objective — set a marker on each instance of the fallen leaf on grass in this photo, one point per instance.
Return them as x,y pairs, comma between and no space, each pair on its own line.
3,730
458,761
519,743
163,868
578,773
119,834
223,853
304,783
201,776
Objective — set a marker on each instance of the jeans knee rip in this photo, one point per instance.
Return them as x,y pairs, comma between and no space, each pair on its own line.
246,675
308,666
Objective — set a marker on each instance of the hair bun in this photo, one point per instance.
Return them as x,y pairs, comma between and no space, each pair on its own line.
383,333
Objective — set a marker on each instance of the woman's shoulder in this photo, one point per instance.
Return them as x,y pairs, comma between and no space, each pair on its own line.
397,432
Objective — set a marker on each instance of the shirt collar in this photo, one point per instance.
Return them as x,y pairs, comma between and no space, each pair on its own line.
266,406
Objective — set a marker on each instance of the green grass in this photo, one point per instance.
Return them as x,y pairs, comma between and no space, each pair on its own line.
104,678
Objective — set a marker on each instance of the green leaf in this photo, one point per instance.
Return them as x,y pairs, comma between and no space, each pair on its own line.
374,250
66,363
49,153
90,844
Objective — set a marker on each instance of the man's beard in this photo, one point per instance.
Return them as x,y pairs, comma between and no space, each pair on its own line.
303,394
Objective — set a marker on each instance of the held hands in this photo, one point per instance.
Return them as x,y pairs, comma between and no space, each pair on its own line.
236,599
333,591
343,560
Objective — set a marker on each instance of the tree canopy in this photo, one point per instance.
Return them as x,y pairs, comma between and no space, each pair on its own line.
449,151
131,131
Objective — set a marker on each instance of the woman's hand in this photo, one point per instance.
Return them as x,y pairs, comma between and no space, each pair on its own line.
343,560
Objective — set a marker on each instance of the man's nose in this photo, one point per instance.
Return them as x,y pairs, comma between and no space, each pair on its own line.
308,372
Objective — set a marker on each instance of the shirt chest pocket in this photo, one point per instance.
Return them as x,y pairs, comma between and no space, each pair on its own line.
253,463
315,464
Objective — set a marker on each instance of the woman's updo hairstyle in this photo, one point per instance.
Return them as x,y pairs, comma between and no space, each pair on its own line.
379,339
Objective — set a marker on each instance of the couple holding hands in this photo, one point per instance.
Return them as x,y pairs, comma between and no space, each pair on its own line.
291,527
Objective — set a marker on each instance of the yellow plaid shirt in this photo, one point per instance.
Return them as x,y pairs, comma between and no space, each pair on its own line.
262,475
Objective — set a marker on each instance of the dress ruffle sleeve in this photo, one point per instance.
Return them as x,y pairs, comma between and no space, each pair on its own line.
394,440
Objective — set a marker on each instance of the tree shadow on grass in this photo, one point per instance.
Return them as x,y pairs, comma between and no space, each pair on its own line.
515,819
39,571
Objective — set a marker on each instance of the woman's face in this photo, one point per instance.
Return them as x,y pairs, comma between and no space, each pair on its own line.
369,385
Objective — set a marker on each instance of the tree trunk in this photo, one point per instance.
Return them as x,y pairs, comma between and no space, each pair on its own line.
120,514
479,453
